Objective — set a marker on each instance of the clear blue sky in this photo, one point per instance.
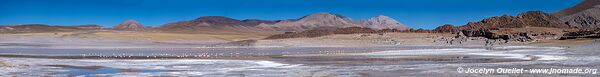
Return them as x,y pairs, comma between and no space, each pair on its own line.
415,13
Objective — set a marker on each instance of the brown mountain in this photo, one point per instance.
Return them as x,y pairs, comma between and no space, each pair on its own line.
524,27
446,28
585,15
528,19
582,6
214,23
129,25
309,22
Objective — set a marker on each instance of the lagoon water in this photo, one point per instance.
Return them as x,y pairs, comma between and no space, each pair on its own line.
279,62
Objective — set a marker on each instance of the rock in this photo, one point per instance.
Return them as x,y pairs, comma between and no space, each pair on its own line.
585,15
446,28
528,19
581,34
508,27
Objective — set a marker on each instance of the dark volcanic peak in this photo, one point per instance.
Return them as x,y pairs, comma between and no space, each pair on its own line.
584,5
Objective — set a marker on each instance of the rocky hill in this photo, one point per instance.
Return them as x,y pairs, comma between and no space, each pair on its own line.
527,19
446,28
214,23
582,6
384,22
129,25
525,27
585,15
309,22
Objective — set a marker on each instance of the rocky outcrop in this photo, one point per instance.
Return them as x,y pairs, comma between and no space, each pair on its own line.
509,36
129,25
528,19
582,6
446,28
384,22
585,15
515,28
541,19
314,21
581,34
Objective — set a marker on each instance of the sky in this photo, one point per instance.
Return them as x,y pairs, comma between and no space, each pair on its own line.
426,14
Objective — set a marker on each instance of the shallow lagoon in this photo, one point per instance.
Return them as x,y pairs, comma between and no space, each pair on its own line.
278,61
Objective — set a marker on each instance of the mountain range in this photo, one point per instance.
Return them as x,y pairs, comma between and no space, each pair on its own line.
585,15
321,20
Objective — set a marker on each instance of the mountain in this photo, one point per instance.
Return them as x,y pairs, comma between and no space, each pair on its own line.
129,25
33,28
255,22
525,27
446,28
527,19
214,23
384,22
309,22
585,15
582,6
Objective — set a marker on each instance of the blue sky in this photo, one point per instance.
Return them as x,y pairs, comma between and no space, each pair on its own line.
415,13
